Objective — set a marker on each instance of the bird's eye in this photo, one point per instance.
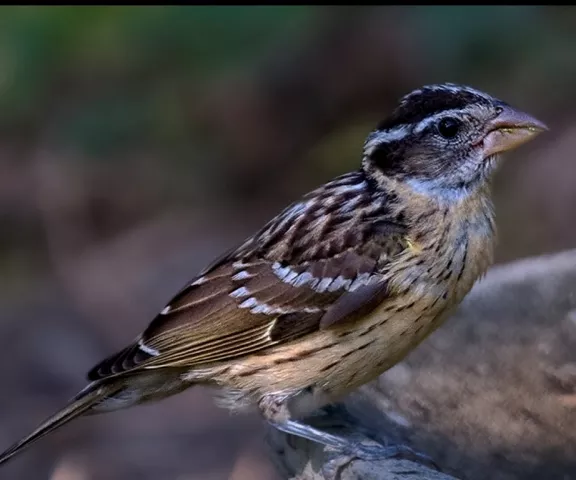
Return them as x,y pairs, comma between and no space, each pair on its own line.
448,127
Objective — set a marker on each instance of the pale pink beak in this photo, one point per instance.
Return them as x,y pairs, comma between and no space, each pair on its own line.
510,129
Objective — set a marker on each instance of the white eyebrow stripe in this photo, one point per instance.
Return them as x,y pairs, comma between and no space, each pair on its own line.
401,131
423,124
384,136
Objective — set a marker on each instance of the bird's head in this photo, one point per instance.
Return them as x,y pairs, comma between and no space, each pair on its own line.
446,139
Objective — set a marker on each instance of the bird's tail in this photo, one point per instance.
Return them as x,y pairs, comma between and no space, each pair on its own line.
84,401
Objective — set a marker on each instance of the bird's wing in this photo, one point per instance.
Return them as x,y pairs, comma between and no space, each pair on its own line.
296,276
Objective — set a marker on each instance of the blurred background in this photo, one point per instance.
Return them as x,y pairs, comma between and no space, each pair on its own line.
136,143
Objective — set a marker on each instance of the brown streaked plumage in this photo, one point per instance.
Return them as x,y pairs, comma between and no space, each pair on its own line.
338,287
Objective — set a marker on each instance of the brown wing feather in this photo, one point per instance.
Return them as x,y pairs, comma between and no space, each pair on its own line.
354,304
272,289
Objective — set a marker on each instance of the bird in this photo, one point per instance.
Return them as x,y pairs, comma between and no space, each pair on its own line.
337,288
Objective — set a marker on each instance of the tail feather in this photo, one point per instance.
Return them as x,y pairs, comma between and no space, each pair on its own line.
83,402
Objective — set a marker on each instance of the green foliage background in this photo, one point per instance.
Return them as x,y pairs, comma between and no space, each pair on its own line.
106,50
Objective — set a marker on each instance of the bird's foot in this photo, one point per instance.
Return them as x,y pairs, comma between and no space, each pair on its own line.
341,457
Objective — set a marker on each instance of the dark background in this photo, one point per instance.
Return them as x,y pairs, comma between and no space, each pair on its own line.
136,143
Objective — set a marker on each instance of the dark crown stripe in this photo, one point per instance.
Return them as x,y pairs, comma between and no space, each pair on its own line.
430,101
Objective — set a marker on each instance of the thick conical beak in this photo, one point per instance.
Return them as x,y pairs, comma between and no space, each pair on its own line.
510,129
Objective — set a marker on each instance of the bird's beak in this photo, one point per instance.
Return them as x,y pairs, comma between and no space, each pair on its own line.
510,129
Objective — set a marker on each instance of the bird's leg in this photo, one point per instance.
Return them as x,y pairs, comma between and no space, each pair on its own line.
276,412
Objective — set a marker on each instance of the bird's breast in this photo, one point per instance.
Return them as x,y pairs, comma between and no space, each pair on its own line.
425,293
447,254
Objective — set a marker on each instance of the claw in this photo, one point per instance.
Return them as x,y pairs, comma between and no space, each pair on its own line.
342,457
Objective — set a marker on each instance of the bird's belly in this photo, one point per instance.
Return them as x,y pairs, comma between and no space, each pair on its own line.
331,363
378,344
